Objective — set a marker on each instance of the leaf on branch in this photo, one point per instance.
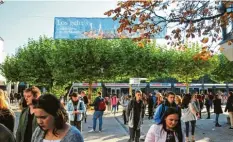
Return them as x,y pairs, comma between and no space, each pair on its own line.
221,49
193,36
206,10
167,37
204,48
140,44
205,40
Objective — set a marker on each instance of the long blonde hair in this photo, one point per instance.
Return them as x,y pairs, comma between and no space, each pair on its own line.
3,102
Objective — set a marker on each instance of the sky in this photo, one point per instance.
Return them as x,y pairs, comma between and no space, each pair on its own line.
20,20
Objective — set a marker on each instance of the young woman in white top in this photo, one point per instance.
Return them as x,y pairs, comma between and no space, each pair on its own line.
168,130
190,113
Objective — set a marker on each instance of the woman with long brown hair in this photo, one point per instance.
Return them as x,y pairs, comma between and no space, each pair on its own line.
6,114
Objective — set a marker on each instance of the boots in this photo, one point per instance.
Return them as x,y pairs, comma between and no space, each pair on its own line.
218,125
208,115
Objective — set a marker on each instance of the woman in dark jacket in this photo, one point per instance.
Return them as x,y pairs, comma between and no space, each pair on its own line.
6,115
229,108
217,109
6,135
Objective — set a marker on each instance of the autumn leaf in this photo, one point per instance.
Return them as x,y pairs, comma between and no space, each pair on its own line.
205,40
221,49
140,44
167,37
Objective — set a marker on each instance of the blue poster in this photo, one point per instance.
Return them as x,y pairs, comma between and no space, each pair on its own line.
84,28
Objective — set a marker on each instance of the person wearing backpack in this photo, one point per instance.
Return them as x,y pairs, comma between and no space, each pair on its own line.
135,113
169,102
76,109
99,106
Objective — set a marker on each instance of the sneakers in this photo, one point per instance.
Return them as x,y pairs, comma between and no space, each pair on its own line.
231,128
92,130
100,131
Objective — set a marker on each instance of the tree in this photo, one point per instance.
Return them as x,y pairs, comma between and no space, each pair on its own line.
34,62
190,19
185,69
10,69
224,70
89,60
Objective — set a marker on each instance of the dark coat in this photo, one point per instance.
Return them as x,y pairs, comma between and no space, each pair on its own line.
217,106
6,135
229,106
130,114
7,119
23,121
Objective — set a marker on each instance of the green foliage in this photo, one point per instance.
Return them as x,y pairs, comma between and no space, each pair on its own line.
185,68
10,69
224,70
58,90
56,63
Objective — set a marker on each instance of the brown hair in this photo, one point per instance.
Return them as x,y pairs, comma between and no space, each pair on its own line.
52,105
34,90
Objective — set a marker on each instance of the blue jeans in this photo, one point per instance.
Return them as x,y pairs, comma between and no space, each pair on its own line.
216,119
114,107
98,115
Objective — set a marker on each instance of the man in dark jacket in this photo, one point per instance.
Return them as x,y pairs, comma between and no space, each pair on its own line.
169,102
98,114
5,134
135,114
27,120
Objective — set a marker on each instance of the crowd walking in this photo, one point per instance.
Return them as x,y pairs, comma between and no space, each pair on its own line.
45,118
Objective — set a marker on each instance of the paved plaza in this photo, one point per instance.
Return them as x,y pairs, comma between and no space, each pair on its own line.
115,131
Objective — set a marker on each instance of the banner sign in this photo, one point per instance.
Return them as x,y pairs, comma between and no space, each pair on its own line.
84,28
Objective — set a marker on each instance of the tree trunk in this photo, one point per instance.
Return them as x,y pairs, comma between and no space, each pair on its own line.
187,87
90,90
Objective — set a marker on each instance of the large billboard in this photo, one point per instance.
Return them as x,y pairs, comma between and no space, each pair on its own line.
83,28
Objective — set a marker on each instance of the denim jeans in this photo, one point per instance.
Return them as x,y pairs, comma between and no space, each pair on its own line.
114,107
216,119
193,124
98,115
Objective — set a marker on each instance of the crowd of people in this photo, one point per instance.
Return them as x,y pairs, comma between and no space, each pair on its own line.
46,118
